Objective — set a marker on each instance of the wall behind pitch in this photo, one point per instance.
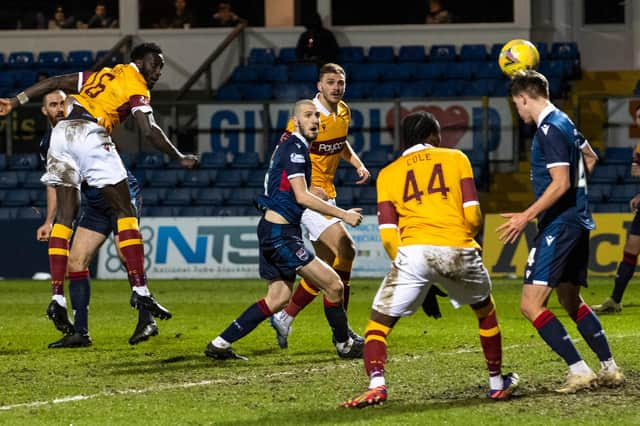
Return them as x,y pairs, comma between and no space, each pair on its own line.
22,255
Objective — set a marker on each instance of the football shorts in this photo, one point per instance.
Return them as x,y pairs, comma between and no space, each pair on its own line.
282,251
315,223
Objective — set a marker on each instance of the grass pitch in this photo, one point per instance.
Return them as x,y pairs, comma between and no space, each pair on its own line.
435,373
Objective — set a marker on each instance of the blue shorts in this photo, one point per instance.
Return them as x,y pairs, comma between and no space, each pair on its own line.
96,215
282,251
560,254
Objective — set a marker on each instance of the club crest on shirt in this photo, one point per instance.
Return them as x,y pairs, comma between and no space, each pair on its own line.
302,254
296,158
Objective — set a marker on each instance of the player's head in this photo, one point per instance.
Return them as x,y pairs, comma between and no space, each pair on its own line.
53,106
306,118
149,60
420,127
332,81
529,90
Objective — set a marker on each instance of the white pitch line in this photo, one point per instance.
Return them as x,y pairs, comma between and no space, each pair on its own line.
236,379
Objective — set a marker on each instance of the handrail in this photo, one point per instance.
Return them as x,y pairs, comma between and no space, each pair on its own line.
206,65
126,40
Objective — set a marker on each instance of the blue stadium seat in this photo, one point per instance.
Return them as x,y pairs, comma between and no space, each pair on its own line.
7,213
210,197
3,161
230,92
598,193
259,55
604,174
495,51
31,180
246,160
276,74
162,211
285,92
411,54
349,54
79,60
609,207
150,160
20,60
304,73
242,196
367,196
476,88
153,196
256,177
234,211
365,72
498,87
430,71
623,193
128,159
114,59
445,89
196,211
565,50
51,59
247,74
543,49
417,89
24,162
458,70
163,178
616,155
9,180
177,197
375,157
381,54
287,55
28,213
360,90
232,178
346,196
488,69
7,79
259,92
38,197
16,198
553,69
399,72
556,87
2,62
442,53
196,178
213,160
473,52
25,78
386,90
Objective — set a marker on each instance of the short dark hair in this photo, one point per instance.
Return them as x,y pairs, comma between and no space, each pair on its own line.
331,68
141,50
530,82
417,127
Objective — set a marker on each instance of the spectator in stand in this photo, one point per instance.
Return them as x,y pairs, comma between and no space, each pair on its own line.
59,21
100,18
182,17
225,16
317,44
437,13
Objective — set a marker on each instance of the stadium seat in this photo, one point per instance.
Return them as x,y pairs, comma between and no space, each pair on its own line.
24,162
7,213
381,54
498,87
350,54
375,157
234,211
598,193
242,196
365,72
128,159
473,52
38,197
114,59
246,74
196,211
20,60
616,155
488,69
210,197
25,78
556,88
213,160
285,92
442,53
163,178
51,59
177,197
162,211
304,73
621,193
417,89
196,178
2,61
79,60
360,90
553,69
543,49
276,74
32,180
7,79
411,54
246,160
476,88
16,198
495,51
3,161
445,89
430,71
565,50
9,180
259,92
153,196
150,160
604,174
28,213
386,90
261,56
345,197
287,55
367,196
256,177
458,70
229,92
232,178
609,207
398,72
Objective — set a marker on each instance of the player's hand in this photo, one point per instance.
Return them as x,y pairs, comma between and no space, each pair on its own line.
430,305
353,217
189,161
5,106
44,232
319,192
363,174
635,201
635,169
509,231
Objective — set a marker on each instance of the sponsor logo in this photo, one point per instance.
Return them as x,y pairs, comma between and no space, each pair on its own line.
302,254
327,148
297,158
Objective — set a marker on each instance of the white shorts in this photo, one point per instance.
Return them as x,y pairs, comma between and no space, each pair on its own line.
459,270
315,223
81,150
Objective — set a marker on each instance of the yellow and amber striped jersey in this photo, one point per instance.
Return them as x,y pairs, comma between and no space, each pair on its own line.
111,94
326,150
430,196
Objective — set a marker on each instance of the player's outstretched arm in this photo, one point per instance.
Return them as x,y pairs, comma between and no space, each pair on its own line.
66,82
154,134
348,154
306,199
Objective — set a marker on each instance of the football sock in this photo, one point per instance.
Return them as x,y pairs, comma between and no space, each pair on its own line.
304,294
343,269
626,268
58,256
246,322
337,318
375,350
490,338
591,329
554,334
80,293
130,244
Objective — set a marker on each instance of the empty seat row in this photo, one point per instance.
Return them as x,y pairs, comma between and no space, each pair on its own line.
82,59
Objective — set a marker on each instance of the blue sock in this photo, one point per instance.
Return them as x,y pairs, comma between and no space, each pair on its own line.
554,334
247,322
337,318
591,329
80,293
626,268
